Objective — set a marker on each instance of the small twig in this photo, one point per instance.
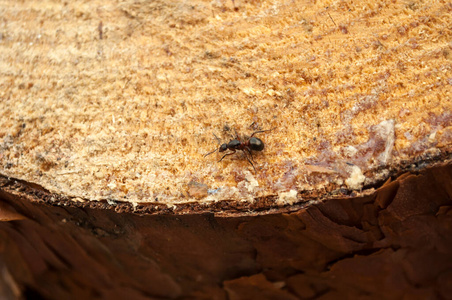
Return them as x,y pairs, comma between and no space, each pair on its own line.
100,29
332,19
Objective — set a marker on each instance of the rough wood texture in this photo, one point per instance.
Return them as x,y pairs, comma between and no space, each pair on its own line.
393,244
118,101
106,110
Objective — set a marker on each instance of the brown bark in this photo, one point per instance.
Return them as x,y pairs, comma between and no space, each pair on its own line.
395,243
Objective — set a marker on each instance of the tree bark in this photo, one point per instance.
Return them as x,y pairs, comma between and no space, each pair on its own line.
393,243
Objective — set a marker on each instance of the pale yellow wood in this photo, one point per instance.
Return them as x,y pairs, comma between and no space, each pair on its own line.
119,100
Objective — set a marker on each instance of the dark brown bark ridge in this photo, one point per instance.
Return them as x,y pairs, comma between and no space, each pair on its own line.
393,243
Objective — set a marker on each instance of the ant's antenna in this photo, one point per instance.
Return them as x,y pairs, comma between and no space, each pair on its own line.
218,140
210,152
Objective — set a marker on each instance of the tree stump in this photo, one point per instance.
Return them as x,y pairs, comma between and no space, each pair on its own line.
108,109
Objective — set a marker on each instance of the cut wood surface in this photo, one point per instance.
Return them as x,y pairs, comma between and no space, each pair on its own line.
118,101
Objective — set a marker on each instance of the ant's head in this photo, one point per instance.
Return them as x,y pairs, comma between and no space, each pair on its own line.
223,148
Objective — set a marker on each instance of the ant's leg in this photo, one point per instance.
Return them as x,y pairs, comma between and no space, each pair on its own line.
236,135
232,136
259,131
227,155
250,153
250,162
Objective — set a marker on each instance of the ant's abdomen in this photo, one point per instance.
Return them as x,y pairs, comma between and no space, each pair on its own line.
256,144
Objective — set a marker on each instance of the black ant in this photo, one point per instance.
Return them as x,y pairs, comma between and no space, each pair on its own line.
251,144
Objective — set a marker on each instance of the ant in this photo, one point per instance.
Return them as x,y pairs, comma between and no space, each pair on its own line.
251,144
